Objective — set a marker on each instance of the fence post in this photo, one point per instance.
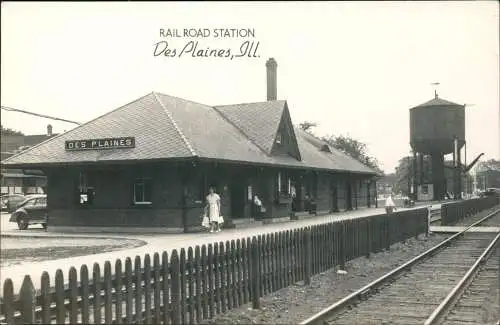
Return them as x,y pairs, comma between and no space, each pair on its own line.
147,289
308,256
368,237
8,298
60,307
342,245
46,299
108,294
176,288
27,301
73,286
165,287
85,292
387,231
429,213
255,274
138,276
128,289
119,290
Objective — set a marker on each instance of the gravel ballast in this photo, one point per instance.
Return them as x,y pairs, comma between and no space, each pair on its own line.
298,302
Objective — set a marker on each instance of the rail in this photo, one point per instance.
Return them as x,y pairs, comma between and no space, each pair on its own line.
457,291
357,295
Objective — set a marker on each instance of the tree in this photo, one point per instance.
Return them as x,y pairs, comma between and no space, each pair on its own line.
354,148
7,131
347,145
307,126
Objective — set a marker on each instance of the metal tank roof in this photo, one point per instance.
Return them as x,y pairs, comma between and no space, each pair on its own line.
436,101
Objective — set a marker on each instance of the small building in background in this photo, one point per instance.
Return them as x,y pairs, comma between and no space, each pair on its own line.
17,181
487,175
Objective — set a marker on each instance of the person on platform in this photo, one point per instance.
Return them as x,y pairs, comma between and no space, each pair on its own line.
259,207
213,209
389,204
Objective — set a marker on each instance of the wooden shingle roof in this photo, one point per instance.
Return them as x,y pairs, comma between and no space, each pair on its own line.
258,121
167,127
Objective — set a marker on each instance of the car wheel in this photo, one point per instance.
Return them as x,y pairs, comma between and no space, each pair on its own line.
22,223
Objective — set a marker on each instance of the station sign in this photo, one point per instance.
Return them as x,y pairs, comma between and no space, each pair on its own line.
100,144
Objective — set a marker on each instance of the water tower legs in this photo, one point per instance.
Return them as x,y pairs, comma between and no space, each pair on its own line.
438,176
457,178
415,180
421,169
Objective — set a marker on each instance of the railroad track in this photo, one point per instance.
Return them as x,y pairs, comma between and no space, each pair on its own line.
470,307
423,290
494,221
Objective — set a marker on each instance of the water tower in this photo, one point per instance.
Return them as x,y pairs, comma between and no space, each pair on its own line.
437,128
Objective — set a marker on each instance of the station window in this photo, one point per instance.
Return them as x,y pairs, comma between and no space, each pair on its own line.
425,189
142,191
284,183
279,138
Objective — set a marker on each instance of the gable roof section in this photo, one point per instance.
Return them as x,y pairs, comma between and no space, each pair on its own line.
258,121
285,124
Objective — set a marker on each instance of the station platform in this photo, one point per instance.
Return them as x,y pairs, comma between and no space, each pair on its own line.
155,243
455,229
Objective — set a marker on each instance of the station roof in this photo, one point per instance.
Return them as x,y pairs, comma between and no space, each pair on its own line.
166,127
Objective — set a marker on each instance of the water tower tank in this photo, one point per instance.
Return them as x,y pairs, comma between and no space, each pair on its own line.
435,124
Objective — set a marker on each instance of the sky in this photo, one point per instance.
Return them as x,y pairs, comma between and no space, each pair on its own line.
355,68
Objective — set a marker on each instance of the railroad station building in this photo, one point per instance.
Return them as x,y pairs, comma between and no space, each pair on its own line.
149,165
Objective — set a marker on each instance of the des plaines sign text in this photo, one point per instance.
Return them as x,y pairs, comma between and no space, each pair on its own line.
99,144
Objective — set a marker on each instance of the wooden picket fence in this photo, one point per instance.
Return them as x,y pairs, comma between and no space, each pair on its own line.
454,212
196,284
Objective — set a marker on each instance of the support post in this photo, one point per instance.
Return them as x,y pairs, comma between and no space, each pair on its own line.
415,181
308,257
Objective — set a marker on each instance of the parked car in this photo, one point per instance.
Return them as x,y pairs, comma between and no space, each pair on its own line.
11,201
33,210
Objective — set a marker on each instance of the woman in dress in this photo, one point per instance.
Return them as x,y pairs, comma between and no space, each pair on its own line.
389,204
213,207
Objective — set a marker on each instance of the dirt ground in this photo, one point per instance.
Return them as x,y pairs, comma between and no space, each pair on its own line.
17,250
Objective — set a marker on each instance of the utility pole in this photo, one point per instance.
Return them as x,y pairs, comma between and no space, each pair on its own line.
10,109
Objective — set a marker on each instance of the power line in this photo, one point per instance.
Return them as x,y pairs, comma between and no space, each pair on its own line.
36,114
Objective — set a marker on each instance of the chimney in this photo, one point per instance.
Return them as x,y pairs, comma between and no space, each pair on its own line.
272,87
49,130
